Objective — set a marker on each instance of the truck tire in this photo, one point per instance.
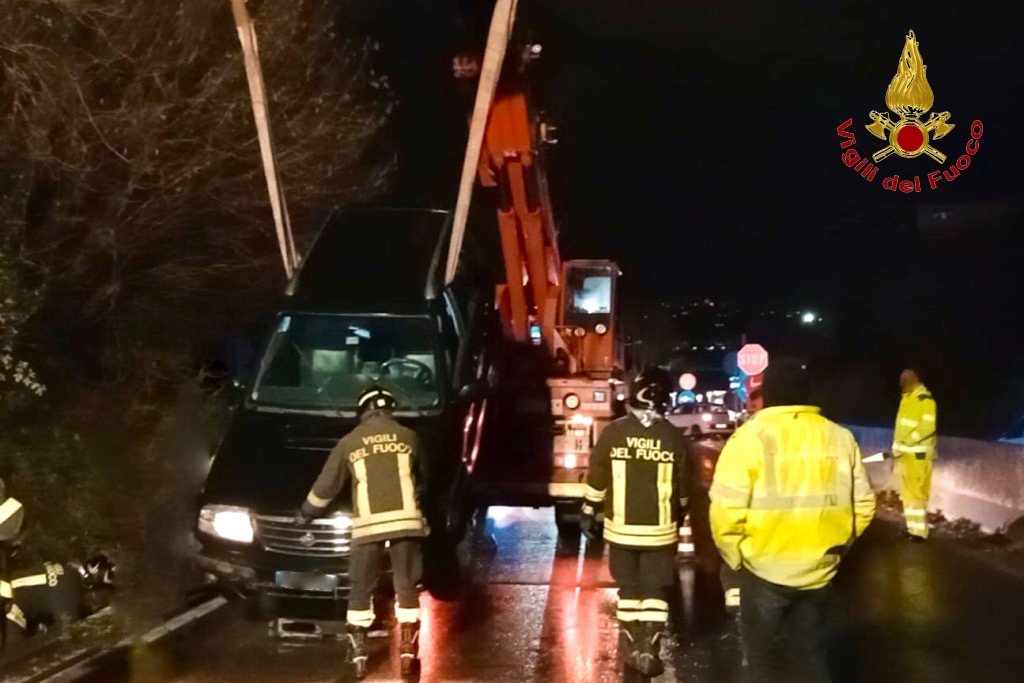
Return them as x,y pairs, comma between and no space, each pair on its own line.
567,519
460,506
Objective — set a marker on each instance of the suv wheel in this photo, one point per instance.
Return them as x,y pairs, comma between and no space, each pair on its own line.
567,519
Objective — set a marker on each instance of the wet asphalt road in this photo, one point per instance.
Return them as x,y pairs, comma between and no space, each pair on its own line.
540,610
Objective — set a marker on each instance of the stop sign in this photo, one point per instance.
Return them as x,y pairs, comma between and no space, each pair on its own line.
752,359
687,381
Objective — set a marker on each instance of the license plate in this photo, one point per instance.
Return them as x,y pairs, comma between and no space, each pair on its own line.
721,426
307,581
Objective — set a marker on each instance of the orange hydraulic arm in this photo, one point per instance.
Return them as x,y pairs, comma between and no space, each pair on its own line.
532,262
505,150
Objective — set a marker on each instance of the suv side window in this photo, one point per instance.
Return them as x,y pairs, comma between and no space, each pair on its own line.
452,335
460,292
469,293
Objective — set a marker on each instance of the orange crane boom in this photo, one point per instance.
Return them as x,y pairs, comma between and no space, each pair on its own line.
565,307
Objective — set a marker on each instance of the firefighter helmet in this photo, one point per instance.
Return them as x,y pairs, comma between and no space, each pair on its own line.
377,398
99,571
651,390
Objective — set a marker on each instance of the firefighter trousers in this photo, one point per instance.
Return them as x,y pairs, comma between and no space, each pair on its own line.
784,631
644,578
914,477
406,556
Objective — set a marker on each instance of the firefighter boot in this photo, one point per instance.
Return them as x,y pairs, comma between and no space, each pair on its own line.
409,648
648,660
357,651
630,637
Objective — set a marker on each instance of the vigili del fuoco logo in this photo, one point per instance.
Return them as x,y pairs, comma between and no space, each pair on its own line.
909,97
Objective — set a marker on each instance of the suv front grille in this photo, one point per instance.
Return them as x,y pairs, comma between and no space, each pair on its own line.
319,539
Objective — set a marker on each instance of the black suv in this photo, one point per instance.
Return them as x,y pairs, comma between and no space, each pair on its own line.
369,305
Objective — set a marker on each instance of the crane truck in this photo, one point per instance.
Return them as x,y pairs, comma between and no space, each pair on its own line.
559,379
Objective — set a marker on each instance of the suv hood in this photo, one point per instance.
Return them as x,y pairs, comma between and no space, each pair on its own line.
269,461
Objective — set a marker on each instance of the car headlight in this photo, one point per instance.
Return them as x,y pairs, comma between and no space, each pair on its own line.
706,417
340,522
572,401
226,521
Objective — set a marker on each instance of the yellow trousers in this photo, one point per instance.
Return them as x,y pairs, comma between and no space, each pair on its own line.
914,479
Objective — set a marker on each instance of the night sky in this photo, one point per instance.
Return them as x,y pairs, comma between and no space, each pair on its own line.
699,139
698,148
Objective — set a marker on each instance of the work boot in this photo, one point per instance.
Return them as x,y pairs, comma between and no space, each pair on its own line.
357,652
647,657
635,645
409,647
628,637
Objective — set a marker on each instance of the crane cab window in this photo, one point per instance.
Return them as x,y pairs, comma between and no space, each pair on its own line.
594,295
590,294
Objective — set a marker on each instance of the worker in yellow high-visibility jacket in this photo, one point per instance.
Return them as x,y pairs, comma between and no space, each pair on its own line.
789,497
913,449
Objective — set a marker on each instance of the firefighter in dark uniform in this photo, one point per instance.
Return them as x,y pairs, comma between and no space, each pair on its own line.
640,477
53,595
385,463
12,514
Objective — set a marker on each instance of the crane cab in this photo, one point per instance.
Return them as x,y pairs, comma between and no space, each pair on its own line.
586,397
588,315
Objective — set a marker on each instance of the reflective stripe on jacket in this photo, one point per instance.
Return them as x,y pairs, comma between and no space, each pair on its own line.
381,458
789,496
17,617
915,424
640,477
11,516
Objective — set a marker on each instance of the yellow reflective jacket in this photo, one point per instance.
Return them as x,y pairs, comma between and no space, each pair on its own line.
915,424
789,496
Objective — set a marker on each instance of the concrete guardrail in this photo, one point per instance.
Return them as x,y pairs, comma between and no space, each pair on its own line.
981,481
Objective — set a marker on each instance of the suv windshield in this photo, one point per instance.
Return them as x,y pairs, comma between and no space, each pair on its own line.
326,361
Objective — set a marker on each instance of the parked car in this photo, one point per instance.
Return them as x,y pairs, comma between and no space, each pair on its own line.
702,419
368,306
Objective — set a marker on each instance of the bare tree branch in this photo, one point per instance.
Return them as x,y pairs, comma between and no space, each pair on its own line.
131,172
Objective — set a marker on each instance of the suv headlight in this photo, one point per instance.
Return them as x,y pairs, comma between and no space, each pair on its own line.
339,521
226,521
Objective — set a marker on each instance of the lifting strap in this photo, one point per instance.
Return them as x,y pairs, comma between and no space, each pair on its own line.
494,57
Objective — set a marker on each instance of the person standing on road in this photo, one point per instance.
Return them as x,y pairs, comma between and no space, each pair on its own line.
385,462
913,449
640,478
788,499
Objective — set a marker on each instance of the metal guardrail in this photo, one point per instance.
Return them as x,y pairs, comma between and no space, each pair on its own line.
57,661
981,481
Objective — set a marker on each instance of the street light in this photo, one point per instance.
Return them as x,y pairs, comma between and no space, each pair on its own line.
808,318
